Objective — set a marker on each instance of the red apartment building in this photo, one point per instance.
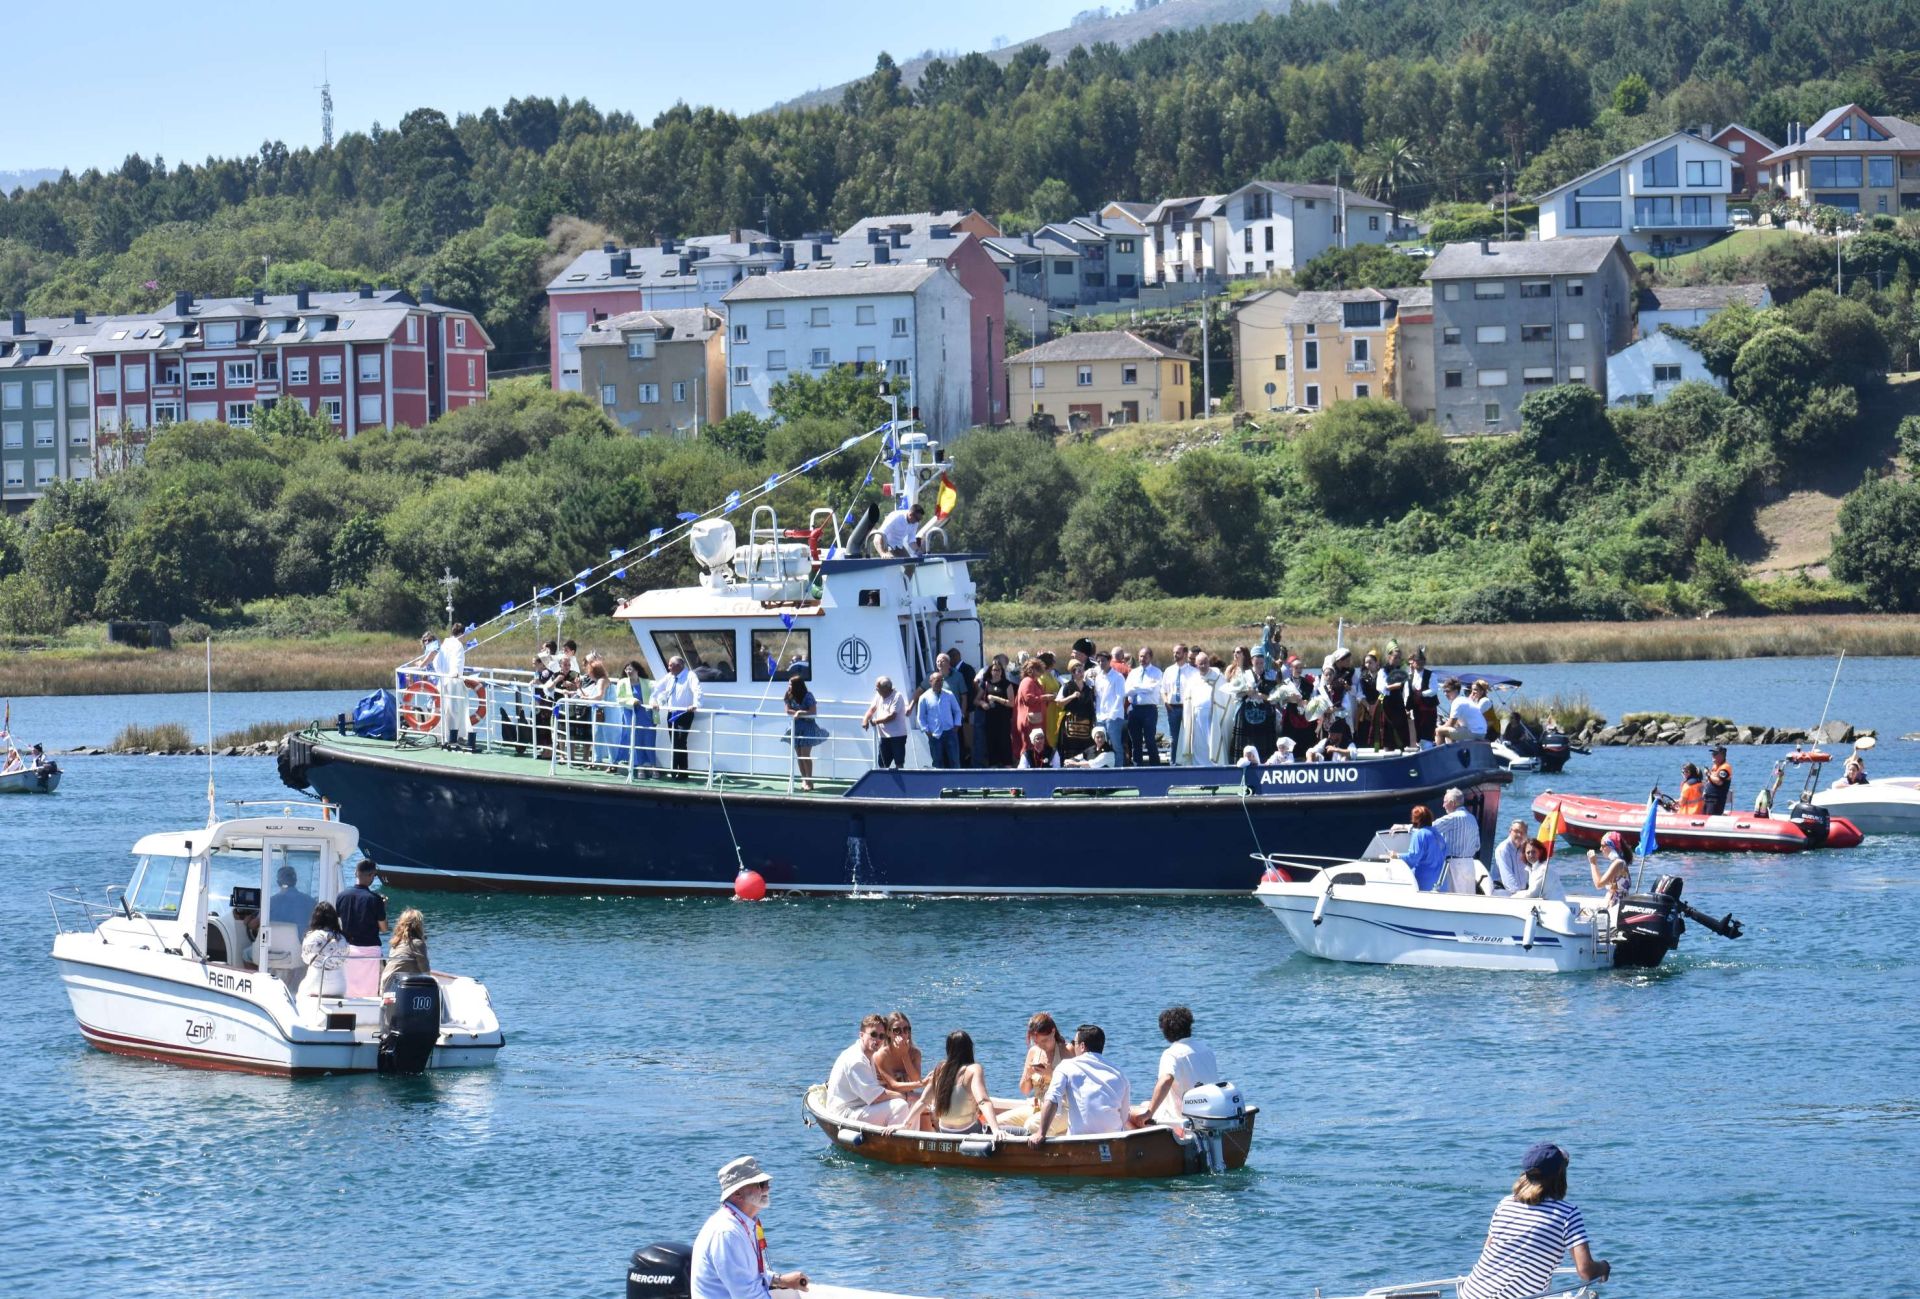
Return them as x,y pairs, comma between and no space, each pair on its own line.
366,359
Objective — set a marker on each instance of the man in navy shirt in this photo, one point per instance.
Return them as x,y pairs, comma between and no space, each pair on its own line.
363,918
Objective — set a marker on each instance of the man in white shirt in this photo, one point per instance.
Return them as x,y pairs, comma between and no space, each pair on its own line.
1465,720
1143,712
1110,699
1509,860
1173,694
1459,830
1094,1092
1184,1065
449,668
730,1254
900,531
677,696
854,1086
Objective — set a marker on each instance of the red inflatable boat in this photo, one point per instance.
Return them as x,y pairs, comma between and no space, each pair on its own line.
1585,820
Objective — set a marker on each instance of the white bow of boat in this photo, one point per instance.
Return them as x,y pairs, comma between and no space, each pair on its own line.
1566,1284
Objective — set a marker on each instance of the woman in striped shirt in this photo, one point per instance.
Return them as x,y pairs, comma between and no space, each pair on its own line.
1533,1229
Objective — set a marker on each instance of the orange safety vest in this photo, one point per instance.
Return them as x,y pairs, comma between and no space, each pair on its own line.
1693,799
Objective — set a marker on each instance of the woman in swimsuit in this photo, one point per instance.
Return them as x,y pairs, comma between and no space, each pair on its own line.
956,1097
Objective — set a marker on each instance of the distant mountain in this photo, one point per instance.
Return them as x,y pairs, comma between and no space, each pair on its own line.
1118,28
12,180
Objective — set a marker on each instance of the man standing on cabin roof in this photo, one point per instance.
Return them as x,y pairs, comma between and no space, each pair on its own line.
900,531
730,1254
677,695
1719,782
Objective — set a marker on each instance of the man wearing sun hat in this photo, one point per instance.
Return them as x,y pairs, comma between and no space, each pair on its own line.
730,1255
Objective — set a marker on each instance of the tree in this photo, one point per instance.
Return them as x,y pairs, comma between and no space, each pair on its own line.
1367,459
1774,372
1114,534
1216,514
1632,95
1011,485
1907,438
1878,545
846,393
69,565
1568,422
1718,578
1389,167
1362,266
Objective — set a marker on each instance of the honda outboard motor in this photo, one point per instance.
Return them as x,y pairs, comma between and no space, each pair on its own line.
410,1024
1650,925
1814,821
1213,1110
661,1272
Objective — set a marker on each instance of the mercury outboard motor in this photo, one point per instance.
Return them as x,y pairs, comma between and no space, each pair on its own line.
1651,924
410,1024
1555,749
1814,821
661,1272
1212,1111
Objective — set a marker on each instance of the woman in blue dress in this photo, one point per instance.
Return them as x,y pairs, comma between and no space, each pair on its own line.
632,693
806,731
1426,853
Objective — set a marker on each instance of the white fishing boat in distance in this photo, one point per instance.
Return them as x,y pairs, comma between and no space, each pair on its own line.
1566,1284
185,965
1371,912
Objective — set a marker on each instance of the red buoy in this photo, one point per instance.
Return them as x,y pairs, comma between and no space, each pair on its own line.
749,886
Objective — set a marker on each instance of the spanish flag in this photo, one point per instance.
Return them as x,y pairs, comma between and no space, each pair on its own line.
1549,829
946,498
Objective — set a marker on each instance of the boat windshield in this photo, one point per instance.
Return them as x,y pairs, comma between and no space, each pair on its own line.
158,884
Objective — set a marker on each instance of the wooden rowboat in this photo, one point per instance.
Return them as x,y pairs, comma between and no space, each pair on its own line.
1154,1151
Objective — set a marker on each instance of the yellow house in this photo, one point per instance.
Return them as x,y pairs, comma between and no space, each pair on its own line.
1093,379
1259,324
1354,343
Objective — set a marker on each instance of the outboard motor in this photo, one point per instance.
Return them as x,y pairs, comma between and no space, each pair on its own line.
1213,1110
1555,749
1650,925
661,1272
409,1024
1814,821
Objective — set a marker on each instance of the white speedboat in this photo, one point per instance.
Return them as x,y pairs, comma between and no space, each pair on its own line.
1566,1284
1371,912
185,965
1884,805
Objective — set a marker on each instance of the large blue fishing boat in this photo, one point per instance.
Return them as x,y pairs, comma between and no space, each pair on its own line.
533,794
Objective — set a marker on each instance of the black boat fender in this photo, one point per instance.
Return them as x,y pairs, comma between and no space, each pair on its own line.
294,758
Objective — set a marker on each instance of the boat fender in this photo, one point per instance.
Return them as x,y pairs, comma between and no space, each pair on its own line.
851,1137
1320,907
977,1147
295,756
1526,935
661,1271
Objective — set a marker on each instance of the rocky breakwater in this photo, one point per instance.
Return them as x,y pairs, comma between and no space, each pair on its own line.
1699,732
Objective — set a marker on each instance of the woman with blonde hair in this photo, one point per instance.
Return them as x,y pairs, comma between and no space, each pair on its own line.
407,952
1045,1050
1533,1229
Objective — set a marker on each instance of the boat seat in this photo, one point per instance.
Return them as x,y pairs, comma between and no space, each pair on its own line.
283,945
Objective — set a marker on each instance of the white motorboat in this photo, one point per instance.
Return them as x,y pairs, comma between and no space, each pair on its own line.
1881,805
1371,912
1566,1284
185,965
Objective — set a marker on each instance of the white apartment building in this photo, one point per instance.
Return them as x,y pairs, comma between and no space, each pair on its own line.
1273,226
912,321
1186,240
1666,196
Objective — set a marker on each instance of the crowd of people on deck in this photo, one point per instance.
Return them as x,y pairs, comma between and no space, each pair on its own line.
1112,707
1067,1087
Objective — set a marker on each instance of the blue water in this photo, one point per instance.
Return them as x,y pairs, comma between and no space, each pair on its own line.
1742,1121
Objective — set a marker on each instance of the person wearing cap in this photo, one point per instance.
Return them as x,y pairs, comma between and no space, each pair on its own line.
1719,789
1533,1228
730,1254
1102,754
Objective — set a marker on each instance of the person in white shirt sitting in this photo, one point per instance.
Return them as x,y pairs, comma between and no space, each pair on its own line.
729,1256
1093,1092
1282,752
1184,1065
855,1089
1102,755
1465,720
900,531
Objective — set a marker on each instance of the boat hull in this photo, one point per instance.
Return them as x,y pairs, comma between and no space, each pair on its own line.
1374,924
437,823
157,1006
1585,821
1150,1152
1880,807
33,780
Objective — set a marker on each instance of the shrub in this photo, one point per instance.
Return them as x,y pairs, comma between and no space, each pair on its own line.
1114,534
26,608
1367,459
1907,437
1718,578
387,601
191,632
1878,545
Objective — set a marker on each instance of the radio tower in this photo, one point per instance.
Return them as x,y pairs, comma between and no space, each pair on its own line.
326,106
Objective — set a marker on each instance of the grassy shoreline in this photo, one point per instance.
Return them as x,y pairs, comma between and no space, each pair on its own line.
360,662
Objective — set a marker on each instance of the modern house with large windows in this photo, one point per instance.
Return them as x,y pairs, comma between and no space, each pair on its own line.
1852,160
1667,196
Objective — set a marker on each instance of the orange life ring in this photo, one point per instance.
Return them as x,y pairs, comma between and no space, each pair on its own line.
420,706
479,689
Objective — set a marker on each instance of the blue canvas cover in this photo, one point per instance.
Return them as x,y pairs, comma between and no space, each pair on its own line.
373,716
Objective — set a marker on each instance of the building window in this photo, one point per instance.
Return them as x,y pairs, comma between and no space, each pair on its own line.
609,394
1451,379
1490,334
1063,267
136,418
16,474
1362,351
1123,245
1666,374
1310,357
413,329
1179,372
1492,379
331,407
899,326
1246,243
13,436
370,367
1880,173
740,376
864,357
1576,330
42,472
649,394
1536,333
1129,374
1576,288
270,366
1280,360
106,380
1536,378
739,333
1576,374
1706,172
640,347
77,389
1536,288
43,392
863,315
240,414
821,358
819,317
1084,376
43,432
776,359
1450,335
164,412
1037,377
1736,145
329,369
469,372
680,392
1834,173
898,369
1484,289
239,375
776,318
370,411
296,369
136,379
1491,412
1313,396
459,333
1450,292
199,375
1373,223
1361,390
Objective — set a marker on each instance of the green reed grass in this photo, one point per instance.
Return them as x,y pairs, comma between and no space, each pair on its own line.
161,737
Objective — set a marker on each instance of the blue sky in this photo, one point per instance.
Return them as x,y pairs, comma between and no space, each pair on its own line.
113,78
